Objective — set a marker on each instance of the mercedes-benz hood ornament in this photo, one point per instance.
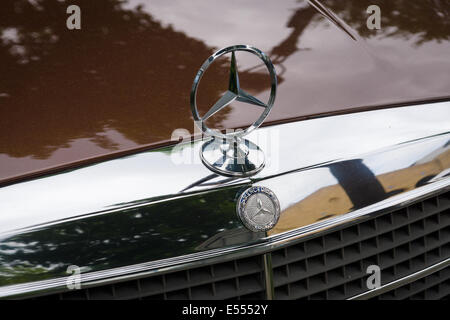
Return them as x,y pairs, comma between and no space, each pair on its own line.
230,154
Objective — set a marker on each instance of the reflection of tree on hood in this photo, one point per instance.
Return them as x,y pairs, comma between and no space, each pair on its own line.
423,20
66,85
298,22
121,63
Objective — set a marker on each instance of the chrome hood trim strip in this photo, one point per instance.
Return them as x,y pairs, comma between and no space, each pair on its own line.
169,172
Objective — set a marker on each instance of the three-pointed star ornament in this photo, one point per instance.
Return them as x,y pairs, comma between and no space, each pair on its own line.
229,153
233,93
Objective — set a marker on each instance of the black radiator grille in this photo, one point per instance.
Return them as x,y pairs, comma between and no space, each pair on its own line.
236,279
329,265
334,265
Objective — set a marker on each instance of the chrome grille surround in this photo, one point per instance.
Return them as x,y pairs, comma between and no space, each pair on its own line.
409,244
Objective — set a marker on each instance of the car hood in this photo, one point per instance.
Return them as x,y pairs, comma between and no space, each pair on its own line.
122,82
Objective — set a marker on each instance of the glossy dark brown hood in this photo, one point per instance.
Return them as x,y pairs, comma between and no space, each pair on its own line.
122,82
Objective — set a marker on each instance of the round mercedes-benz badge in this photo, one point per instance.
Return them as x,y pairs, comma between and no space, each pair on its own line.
258,208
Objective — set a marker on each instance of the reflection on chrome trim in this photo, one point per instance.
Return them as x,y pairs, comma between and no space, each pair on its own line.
328,191
403,281
145,213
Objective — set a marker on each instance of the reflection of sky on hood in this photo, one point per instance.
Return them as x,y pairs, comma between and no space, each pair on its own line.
191,17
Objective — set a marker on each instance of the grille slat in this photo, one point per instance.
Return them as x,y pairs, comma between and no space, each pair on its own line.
327,265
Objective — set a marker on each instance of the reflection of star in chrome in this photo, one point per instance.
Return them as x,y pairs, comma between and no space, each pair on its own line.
261,209
234,93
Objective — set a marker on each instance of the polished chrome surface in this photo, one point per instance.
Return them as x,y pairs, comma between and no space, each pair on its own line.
240,158
146,177
163,209
229,154
258,208
326,193
403,281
